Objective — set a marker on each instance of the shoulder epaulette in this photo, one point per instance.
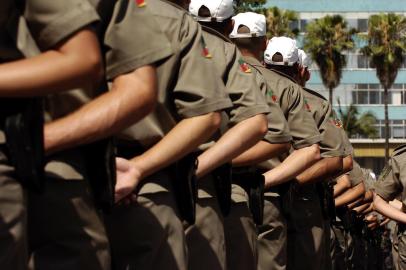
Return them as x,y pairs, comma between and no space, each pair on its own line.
314,93
216,33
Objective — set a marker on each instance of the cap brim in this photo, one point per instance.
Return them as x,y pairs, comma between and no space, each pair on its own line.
246,35
211,19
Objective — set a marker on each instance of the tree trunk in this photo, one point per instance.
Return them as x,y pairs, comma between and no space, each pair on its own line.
385,101
330,96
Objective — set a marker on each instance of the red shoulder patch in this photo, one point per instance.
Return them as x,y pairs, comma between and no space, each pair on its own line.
140,3
205,51
244,66
307,106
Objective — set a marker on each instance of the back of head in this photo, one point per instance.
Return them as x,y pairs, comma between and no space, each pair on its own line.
215,14
282,54
249,32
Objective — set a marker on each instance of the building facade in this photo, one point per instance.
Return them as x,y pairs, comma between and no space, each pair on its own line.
359,84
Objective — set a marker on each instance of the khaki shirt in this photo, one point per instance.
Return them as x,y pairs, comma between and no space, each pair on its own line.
332,144
392,181
356,175
348,149
188,85
49,22
43,25
130,38
289,95
278,128
240,83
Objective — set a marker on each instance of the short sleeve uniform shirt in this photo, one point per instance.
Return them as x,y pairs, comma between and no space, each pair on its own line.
289,95
392,181
188,85
331,144
278,129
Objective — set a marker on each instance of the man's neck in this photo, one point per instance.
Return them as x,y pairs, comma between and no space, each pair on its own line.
256,55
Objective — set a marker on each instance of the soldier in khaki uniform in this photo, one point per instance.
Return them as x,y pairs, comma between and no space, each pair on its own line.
80,229
287,52
390,185
307,217
272,238
342,245
148,233
248,107
67,45
249,34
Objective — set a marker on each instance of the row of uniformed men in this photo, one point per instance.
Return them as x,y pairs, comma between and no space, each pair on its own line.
368,232
173,82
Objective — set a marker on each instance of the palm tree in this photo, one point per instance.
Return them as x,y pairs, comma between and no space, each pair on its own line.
279,22
386,47
325,40
248,5
358,125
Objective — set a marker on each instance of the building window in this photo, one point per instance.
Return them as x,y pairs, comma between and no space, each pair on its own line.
398,132
299,24
404,62
374,97
294,25
362,61
373,94
404,97
363,25
354,97
363,97
396,98
352,23
397,129
303,25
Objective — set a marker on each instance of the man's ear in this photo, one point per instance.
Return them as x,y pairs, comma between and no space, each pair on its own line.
264,43
308,75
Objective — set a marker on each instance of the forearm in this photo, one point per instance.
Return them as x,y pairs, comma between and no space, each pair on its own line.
361,208
397,204
293,165
324,169
132,97
356,203
260,152
343,184
383,207
369,209
234,142
184,138
75,63
350,195
347,164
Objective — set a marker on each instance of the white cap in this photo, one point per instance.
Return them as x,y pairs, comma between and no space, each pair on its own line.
220,10
254,21
286,47
304,59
